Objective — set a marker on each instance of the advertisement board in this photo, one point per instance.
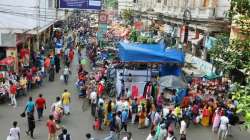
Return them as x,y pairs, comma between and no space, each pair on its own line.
81,4
198,63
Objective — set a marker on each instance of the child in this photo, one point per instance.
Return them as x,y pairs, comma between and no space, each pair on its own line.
96,124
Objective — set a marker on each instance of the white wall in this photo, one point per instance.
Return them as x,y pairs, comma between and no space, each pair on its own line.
23,15
125,4
176,7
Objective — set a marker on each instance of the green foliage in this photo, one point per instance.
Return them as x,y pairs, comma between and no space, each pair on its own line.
242,95
241,7
133,36
237,55
128,15
111,4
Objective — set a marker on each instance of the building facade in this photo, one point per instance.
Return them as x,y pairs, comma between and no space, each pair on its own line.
25,24
126,4
190,24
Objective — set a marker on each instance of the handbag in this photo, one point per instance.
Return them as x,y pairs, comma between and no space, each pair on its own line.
23,114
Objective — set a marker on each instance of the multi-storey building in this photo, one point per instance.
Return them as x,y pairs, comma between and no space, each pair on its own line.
192,23
126,4
25,23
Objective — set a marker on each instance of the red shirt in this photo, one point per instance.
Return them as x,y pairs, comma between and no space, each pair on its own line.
40,103
13,89
29,76
22,53
51,126
33,69
100,89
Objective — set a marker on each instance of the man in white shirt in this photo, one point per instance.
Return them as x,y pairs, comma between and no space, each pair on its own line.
224,121
183,128
151,136
14,132
66,72
93,99
128,137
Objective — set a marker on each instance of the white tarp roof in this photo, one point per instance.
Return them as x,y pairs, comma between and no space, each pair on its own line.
18,16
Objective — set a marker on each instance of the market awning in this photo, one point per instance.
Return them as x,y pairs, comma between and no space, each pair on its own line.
149,53
7,61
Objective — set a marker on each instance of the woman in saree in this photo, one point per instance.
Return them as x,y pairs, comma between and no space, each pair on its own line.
216,120
142,116
206,113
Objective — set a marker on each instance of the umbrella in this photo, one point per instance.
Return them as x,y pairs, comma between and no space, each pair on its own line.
172,82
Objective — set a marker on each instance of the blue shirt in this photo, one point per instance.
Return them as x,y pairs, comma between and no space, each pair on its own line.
30,106
124,116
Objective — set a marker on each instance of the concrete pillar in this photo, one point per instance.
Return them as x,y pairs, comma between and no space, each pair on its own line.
204,54
211,8
197,8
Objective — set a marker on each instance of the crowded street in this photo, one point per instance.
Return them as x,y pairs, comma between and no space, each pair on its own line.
124,70
80,121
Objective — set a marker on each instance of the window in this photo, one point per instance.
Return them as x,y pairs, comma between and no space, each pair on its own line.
159,1
135,1
50,4
193,4
176,3
165,2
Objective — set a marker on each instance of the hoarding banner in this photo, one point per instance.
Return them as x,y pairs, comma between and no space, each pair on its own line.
81,4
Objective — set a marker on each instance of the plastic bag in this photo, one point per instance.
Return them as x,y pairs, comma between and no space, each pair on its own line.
146,123
61,77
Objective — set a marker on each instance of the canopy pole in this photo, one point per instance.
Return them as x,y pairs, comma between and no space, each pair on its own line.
151,66
147,72
123,71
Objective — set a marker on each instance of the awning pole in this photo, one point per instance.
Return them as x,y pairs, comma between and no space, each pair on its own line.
147,72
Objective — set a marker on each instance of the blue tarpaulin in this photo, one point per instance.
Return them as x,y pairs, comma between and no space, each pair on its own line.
154,53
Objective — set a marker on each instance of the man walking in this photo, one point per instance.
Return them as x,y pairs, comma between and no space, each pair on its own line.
93,100
31,124
14,133
66,72
124,119
40,106
64,135
223,128
30,106
52,128
13,91
66,101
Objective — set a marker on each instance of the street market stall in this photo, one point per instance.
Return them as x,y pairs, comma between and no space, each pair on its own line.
152,56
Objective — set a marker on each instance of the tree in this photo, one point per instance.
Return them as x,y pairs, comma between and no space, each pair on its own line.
128,15
236,55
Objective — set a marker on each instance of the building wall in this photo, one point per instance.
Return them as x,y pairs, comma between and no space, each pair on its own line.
125,4
201,9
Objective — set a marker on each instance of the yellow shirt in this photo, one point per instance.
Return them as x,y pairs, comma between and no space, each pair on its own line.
23,82
66,98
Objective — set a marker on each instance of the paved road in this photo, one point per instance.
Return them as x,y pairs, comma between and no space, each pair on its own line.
80,122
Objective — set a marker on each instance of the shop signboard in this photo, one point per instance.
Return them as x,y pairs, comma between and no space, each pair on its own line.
198,63
81,4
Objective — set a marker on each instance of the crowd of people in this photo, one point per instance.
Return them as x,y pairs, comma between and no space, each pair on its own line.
207,102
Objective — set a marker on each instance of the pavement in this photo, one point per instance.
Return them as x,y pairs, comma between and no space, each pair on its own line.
80,121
